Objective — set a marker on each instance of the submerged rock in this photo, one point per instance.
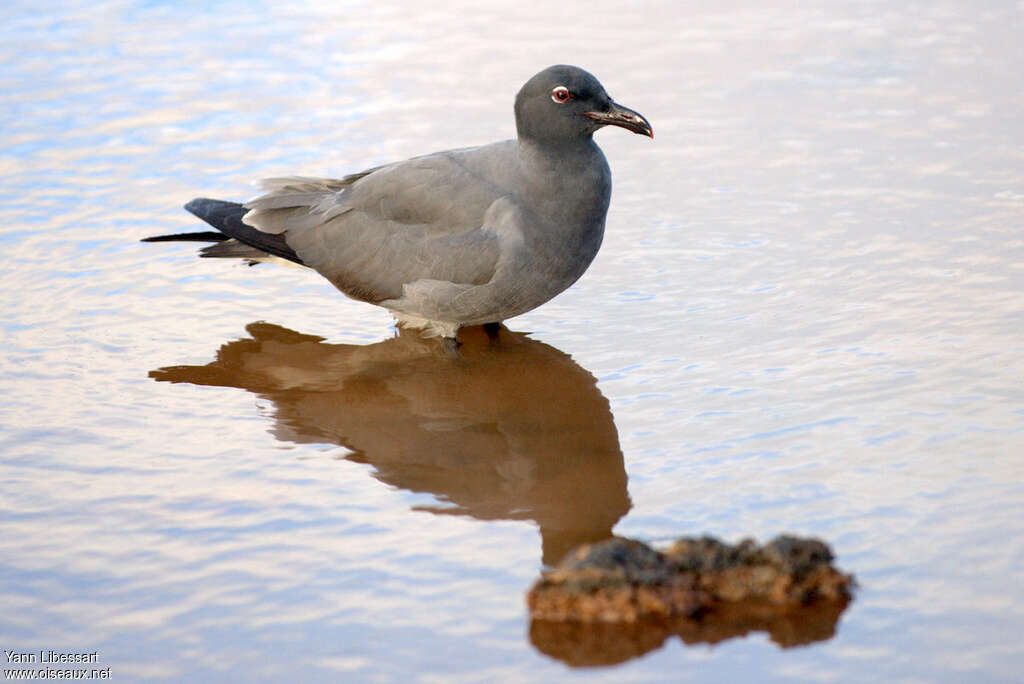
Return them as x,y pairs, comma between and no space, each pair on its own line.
613,600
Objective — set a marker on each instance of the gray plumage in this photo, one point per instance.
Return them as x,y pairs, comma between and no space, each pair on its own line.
455,238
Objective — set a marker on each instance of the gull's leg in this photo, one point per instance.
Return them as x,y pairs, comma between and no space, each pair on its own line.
451,346
492,330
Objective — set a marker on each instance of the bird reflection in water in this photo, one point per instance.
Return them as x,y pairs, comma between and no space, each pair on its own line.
513,430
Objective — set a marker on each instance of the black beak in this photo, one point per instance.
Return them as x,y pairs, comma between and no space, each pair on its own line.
624,117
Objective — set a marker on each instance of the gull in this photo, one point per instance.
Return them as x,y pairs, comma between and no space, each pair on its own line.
470,236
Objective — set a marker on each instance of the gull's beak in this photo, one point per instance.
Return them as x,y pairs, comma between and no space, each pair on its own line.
624,117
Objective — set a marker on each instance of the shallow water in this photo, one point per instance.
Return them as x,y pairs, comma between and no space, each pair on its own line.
806,318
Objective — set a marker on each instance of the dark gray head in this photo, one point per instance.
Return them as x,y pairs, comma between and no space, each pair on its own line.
564,103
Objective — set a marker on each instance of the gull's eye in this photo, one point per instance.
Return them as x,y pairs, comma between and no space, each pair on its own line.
561,94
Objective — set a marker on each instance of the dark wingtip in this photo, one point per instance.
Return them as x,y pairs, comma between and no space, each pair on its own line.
206,236
227,218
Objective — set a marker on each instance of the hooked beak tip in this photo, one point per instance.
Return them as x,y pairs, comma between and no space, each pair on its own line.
623,117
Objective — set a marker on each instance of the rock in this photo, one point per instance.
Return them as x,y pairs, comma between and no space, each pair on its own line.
618,580
787,570
612,600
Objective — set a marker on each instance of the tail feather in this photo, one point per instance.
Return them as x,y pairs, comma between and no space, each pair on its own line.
227,218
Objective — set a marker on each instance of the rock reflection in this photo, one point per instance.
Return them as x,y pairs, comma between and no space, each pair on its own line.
581,644
514,430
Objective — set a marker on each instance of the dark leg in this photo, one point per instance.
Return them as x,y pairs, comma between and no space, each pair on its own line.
492,330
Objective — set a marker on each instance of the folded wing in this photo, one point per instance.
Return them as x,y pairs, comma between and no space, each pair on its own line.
373,232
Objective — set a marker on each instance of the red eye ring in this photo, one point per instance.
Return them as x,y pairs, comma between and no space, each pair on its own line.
561,95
